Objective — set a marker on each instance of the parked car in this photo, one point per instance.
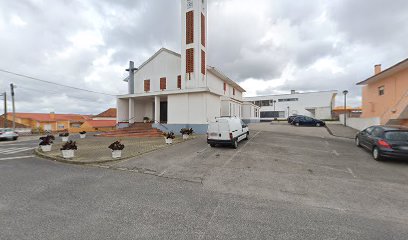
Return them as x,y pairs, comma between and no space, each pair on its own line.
290,119
384,141
227,131
307,121
8,134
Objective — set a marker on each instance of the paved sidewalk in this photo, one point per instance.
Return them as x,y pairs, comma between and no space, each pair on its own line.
340,130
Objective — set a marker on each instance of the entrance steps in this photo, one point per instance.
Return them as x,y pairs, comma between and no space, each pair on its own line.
137,130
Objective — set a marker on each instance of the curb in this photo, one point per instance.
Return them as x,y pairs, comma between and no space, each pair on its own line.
331,133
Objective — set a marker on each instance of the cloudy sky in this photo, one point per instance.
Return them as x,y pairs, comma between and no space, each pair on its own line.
268,46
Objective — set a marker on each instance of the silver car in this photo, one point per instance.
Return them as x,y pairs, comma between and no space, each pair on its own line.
8,134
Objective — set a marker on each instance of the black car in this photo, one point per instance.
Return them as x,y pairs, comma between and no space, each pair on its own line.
384,141
290,119
307,121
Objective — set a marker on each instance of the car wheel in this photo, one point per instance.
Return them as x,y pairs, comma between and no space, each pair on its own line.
212,145
358,142
376,154
317,124
297,124
235,144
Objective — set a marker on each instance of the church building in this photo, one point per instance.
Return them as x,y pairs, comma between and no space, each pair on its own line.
180,90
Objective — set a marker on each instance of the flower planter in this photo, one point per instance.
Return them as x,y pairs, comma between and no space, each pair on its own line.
82,135
169,140
185,136
116,153
64,139
145,121
46,148
68,153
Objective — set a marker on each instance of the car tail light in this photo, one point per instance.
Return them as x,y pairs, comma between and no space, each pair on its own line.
230,136
383,144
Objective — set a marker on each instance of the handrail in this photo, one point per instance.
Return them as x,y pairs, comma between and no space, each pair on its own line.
155,121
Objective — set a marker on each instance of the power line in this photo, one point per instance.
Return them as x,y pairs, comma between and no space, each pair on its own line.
49,82
47,91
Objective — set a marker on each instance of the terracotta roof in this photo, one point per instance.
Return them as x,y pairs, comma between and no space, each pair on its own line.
47,117
101,123
10,124
110,113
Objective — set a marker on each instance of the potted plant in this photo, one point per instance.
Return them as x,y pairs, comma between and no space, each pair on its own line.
68,149
116,148
146,119
169,137
186,132
46,143
64,136
82,134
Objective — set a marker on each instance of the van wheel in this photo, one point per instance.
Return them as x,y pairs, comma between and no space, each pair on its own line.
246,136
15,138
212,145
235,144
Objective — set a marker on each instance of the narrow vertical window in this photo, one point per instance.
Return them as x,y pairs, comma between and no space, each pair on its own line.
163,83
203,29
225,87
202,62
179,81
233,91
189,27
146,85
190,60
381,91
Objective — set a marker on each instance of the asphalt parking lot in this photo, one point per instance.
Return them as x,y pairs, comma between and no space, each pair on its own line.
283,183
301,165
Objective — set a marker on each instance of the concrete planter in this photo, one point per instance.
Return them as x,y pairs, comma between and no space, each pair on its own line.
46,148
169,140
64,139
82,136
116,153
185,136
68,153
145,121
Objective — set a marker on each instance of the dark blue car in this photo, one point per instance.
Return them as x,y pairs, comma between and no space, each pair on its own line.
307,121
384,141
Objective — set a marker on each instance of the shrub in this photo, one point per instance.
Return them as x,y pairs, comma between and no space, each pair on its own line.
186,131
169,135
48,140
115,146
64,134
70,145
146,119
83,132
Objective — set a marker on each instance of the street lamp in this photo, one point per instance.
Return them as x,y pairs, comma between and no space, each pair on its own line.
288,112
274,102
345,107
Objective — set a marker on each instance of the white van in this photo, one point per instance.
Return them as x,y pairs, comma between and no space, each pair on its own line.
227,131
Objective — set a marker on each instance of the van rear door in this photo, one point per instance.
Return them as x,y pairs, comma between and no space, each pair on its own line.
219,130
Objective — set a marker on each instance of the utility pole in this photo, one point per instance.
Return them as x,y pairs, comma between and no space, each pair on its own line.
14,107
5,109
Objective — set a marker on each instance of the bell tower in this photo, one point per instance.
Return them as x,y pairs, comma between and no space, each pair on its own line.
194,43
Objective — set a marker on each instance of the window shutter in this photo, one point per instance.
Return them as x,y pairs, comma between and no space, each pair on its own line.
146,85
162,83
202,62
225,87
233,91
190,60
189,27
179,81
203,29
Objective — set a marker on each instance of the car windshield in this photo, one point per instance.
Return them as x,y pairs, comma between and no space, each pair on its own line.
397,136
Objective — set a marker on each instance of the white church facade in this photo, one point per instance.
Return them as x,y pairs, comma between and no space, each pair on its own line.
181,90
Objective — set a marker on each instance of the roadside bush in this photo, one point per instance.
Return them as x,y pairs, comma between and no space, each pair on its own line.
70,145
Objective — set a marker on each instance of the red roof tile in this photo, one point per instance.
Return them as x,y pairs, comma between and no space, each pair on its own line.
110,113
47,117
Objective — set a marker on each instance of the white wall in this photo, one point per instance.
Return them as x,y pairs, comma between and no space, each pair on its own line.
216,85
122,106
360,123
248,111
193,108
163,65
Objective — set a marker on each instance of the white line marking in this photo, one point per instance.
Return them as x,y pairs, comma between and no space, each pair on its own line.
162,173
202,150
351,172
239,151
15,150
10,158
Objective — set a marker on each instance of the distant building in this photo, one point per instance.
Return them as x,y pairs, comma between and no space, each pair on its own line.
351,112
385,94
313,104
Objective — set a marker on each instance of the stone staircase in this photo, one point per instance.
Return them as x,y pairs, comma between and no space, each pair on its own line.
136,130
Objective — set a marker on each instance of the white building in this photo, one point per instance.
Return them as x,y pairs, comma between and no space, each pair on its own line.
180,90
313,104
